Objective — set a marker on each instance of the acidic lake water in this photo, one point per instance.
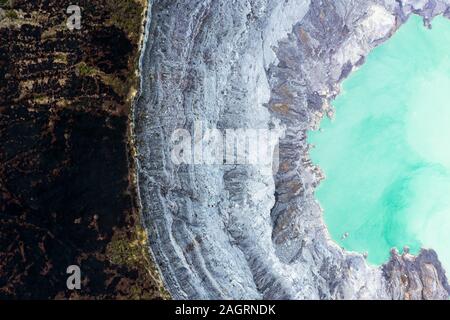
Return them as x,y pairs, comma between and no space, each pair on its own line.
386,153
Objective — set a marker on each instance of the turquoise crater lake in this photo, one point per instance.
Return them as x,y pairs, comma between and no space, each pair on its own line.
386,153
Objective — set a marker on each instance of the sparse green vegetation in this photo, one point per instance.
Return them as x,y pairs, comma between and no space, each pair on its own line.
117,85
71,79
40,98
84,70
131,250
60,57
127,15
4,3
12,14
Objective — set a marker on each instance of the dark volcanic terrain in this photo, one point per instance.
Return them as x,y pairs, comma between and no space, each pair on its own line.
66,188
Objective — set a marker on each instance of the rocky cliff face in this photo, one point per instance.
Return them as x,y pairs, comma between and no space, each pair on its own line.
234,231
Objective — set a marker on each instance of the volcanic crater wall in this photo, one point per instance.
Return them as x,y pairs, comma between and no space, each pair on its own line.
234,231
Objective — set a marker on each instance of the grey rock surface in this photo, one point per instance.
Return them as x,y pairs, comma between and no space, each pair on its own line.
235,231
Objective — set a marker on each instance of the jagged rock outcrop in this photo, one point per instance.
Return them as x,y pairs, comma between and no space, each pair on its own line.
234,231
416,277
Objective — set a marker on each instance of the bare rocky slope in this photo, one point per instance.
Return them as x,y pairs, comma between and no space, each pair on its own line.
235,231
